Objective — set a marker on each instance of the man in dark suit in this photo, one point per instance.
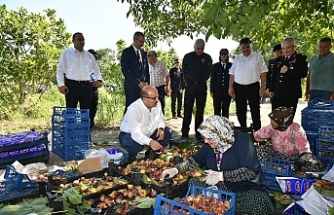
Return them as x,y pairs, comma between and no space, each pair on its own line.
135,69
219,84
177,85
285,89
277,51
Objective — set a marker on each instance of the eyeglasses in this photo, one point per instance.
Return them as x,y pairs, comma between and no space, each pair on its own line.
176,62
153,98
141,41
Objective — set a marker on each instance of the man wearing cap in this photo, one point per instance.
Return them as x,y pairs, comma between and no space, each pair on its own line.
197,67
219,84
159,76
290,68
277,51
95,96
320,80
177,85
76,66
247,69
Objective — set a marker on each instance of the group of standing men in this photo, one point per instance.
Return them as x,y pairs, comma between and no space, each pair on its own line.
147,81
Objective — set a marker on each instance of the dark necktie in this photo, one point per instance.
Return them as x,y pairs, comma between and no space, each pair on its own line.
139,60
224,65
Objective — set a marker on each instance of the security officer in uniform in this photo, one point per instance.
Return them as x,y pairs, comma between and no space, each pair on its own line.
286,88
197,67
219,84
177,85
277,51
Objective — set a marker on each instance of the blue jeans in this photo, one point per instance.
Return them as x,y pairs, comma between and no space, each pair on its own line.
324,95
132,147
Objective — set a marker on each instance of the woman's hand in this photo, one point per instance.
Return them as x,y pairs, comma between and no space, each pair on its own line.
213,177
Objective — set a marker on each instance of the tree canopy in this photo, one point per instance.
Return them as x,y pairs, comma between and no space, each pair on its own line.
266,22
30,45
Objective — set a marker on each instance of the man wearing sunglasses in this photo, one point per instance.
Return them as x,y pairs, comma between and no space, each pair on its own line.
135,69
144,124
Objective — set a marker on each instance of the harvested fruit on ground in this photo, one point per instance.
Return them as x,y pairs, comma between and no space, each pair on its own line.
124,203
153,169
202,203
95,185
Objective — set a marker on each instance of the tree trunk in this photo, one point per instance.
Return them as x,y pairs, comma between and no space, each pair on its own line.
22,93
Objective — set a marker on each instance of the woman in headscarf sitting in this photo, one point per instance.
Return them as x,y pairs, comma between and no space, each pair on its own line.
231,164
288,141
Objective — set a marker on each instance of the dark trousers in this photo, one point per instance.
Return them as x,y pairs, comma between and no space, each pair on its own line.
93,106
250,93
161,92
192,93
132,147
281,102
132,93
176,96
78,92
221,105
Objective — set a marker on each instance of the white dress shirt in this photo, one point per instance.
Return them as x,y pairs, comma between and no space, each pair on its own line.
158,73
141,57
141,123
76,66
247,70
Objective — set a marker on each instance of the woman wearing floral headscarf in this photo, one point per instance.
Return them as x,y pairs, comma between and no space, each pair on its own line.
288,139
232,165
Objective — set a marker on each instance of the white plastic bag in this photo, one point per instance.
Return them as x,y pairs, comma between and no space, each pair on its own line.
104,156
313,203
329,176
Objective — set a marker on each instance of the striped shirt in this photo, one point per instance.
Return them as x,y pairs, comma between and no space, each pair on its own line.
158,73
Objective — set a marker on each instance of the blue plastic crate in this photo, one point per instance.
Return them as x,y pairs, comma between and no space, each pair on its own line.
272,182
314,118
312,139
162,202
327,145
326,133
70,151
277,167
18,180
67,113
8,193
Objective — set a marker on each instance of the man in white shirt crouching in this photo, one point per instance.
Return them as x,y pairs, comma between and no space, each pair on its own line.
144,124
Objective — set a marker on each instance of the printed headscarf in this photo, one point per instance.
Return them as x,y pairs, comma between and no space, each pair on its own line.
220,130
283,116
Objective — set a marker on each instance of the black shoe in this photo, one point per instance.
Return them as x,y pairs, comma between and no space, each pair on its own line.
184,139
174,117
179,116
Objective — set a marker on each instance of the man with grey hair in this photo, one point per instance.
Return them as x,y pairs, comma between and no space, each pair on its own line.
196,67
159,76
286,89
135,69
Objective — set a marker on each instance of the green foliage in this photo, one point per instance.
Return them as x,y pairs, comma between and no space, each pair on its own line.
27,206
167,57
265,21
30,46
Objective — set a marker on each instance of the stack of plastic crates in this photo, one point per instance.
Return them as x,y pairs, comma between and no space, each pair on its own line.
164,206
25,147
325,144
70,132
317,114
273,168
